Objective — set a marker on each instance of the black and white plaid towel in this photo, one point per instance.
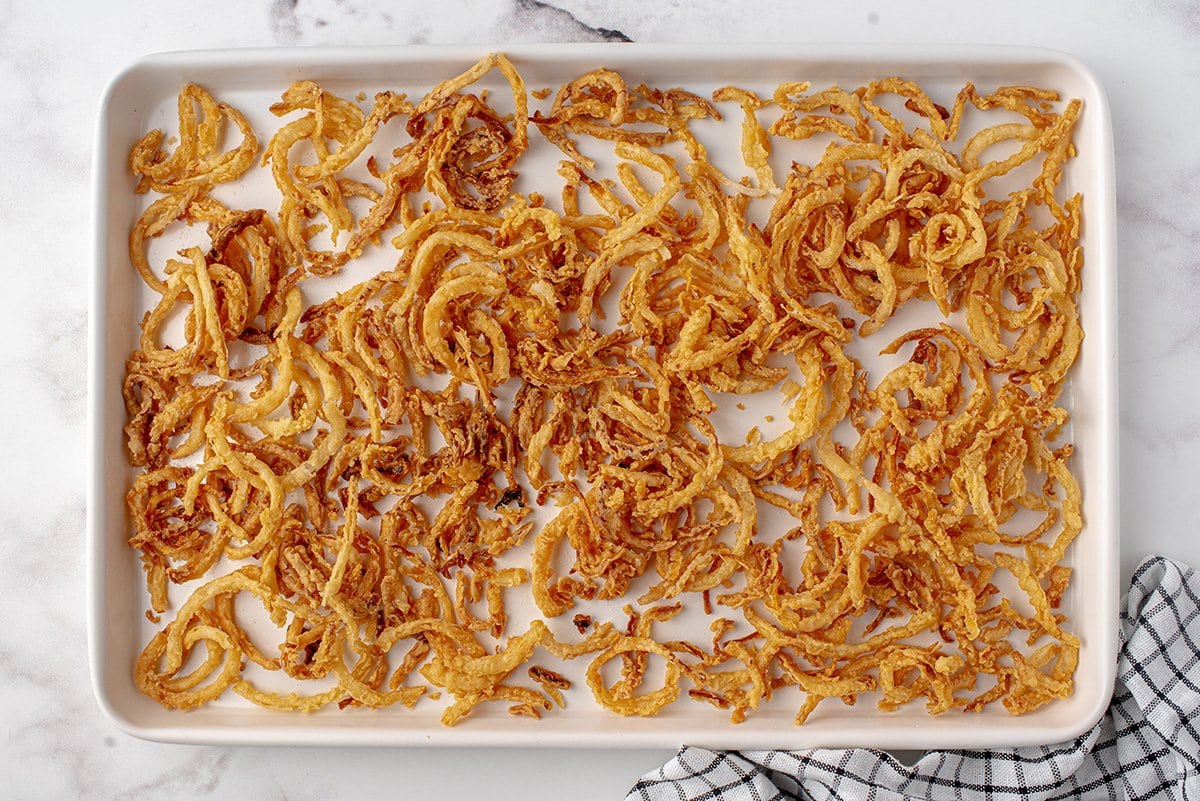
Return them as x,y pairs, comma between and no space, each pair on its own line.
1146,747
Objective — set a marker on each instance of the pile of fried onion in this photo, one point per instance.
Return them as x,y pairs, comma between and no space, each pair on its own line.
294,452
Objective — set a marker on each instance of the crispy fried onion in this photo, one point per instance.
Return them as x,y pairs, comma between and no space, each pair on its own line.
365,467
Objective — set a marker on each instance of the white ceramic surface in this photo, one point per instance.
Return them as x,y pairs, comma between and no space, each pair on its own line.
143,97
55,60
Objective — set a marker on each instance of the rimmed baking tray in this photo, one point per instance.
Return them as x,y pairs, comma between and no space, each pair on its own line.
143,97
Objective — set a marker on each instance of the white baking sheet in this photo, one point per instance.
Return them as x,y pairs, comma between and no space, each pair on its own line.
143,97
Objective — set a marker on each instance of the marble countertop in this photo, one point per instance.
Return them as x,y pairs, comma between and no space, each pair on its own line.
55,59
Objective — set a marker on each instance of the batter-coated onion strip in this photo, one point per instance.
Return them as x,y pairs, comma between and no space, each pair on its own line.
195,162
330,410
492,61
153,685
805,414
644,705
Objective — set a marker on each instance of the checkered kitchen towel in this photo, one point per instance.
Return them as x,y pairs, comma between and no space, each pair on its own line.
1146,747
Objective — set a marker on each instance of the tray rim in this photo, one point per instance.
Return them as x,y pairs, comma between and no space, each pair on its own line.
1102,217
